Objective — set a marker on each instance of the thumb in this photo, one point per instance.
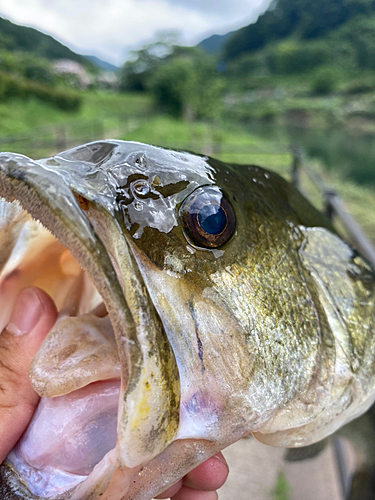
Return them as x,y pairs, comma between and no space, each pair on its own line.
33,315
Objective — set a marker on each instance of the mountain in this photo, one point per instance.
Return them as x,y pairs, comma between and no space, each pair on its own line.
103,65
214,43
14,37
303,19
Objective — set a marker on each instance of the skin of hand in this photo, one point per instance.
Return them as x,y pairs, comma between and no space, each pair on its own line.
33,315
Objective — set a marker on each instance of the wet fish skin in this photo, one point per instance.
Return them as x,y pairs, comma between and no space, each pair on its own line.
270,333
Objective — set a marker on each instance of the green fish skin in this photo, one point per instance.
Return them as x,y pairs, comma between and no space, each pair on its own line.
233,304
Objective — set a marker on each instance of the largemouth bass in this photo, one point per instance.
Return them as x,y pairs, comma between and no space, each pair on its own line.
229,305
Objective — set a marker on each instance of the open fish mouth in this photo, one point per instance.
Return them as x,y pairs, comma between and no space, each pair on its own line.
77,370
82,370
197,302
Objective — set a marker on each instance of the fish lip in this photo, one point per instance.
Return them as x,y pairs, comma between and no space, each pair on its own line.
22,179
52,202
46,198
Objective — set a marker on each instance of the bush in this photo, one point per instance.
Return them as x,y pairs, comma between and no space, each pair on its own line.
360,86
248,64
28,66
13,88
269,111
63,100
325,80
359,32
38,73
292,56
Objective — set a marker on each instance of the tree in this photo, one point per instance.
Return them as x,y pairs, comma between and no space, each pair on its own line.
325,80
138,70
183,80
293,56
174,87
360,34
188,85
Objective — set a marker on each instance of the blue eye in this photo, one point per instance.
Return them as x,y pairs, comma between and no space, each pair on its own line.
208,219
212,219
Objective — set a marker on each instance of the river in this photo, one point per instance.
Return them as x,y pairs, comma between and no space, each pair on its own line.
351,152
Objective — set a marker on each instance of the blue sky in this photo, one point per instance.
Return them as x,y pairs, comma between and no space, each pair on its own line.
111,28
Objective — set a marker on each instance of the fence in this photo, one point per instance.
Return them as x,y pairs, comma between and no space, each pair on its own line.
46,141
334,207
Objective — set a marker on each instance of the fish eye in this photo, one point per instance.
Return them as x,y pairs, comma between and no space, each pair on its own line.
207,217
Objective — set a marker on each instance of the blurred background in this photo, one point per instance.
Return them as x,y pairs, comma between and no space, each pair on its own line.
244,81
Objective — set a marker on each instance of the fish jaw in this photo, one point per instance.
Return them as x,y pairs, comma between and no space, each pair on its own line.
28,185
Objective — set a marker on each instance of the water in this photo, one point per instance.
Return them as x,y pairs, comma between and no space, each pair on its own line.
351,152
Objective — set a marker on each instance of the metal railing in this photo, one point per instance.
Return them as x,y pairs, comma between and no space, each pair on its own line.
334,207
46,141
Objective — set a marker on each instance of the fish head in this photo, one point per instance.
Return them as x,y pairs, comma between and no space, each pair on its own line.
233,307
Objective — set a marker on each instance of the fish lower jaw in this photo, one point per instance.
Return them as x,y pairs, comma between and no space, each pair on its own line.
76,370
67,437
45,483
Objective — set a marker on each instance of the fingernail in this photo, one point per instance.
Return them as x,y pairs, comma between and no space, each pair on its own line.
221,459
27,311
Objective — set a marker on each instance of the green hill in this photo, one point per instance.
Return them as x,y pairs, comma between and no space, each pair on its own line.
214,43
302,19
16,38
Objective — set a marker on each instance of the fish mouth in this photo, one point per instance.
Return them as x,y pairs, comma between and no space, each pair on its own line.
76,371
92,411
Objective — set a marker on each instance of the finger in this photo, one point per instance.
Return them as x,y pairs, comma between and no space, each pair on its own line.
208,476
187,493
172,490
33,315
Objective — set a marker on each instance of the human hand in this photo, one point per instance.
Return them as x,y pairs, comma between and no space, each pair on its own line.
201,482
34,313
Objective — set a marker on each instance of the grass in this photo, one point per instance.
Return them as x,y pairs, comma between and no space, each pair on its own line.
165,131
281,489
18,116
109,107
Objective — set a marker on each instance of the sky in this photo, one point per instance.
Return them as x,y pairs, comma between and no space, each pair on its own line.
110,29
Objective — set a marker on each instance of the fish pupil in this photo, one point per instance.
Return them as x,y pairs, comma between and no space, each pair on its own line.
212,219
207,218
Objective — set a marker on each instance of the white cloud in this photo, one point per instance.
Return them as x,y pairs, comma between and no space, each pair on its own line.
221,7
110,28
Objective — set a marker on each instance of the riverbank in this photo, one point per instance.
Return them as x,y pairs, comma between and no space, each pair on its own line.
286,105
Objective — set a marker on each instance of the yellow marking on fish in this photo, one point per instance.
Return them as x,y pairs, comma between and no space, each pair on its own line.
142,409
